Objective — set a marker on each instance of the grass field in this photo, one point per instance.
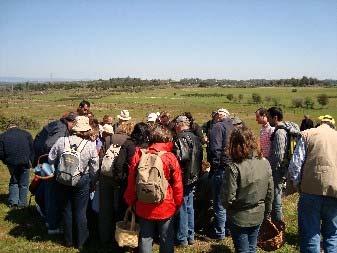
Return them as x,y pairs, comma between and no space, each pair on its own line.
23,231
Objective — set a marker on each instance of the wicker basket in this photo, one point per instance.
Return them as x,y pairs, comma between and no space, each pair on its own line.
271,235
126,234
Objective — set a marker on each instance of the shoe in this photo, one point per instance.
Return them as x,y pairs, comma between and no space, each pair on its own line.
55,231
182,244
13,206
191,242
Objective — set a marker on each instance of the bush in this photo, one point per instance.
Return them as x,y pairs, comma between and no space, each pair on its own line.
256,98
22,122
230,97
323,99
294,90
275,101
309,103
297,102
240,97
267,99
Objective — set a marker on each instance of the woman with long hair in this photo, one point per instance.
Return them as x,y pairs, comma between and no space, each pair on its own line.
247,189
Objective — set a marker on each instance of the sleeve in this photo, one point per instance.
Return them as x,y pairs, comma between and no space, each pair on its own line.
55,150
31,148
2,149
176,182
93,161
270,194
297,161
216,147
119,164
182,150
130,196
279,145
230,185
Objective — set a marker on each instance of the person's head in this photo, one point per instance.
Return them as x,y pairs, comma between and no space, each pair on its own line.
107,130
69,119
306,116
327,119
237,122
124,116
82,127
222,113
160,134
83,108
107,119
261,116
125,127
189,116
164,118
181,123
140,134
151,117
243,145
274,115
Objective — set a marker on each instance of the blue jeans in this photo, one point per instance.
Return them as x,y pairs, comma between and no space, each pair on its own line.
18,185
185,217
219,210
244,238
312,210
74,202
150,228
52,205
277,202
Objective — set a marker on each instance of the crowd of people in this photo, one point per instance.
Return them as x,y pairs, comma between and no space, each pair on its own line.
245,175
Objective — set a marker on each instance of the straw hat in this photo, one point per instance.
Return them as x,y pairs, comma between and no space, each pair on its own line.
152,117
108,129
124,115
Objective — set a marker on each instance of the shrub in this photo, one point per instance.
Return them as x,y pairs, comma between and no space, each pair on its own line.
240,97
256,98
294,90
323,99
22,122
275,101
309,102
230,97
297,102
267,99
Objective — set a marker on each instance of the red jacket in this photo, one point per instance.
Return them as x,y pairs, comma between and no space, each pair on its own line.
174,194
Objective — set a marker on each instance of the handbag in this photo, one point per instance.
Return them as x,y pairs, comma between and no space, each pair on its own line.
271,235
126,233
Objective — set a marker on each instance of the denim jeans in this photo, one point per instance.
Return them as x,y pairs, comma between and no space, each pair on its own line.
244,238
317,214
52,204
185,217
18,185
74,202
219,210
277,214
151,228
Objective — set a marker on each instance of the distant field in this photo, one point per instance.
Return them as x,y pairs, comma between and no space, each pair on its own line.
22,231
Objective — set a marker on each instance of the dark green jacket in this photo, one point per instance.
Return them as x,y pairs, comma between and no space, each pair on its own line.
248,191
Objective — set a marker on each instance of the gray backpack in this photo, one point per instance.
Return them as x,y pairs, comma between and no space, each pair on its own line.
108,160
151,183
69,170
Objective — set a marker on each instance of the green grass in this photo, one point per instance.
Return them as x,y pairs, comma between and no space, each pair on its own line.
23,231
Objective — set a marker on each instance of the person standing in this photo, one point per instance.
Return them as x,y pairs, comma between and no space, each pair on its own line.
265,131
248,189
218,145
188,149
313,169
306,123
16,151
279,140
124,116
74,199
157,218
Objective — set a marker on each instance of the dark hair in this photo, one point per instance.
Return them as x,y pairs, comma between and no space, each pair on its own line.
140,134
84,135
243,145
83,103
276,111
160,133
262,111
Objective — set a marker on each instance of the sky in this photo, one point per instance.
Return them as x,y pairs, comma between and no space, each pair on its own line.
174,39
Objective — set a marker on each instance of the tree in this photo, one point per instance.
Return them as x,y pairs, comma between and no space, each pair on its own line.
240,97
256,98
323,99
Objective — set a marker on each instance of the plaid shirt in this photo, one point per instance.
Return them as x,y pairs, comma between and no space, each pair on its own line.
265,143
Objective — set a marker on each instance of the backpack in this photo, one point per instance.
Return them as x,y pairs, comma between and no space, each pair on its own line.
293,135
69,168
108,160
151,183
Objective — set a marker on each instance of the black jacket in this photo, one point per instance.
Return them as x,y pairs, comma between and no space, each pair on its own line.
188,149
16,147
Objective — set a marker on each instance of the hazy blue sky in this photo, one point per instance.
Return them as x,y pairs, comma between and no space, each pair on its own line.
168,39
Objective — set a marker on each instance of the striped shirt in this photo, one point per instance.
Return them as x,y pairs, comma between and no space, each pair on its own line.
278,149
265,143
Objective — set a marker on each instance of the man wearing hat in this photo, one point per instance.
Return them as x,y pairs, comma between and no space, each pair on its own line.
313,169
219,139
188,149
152,118
122,117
